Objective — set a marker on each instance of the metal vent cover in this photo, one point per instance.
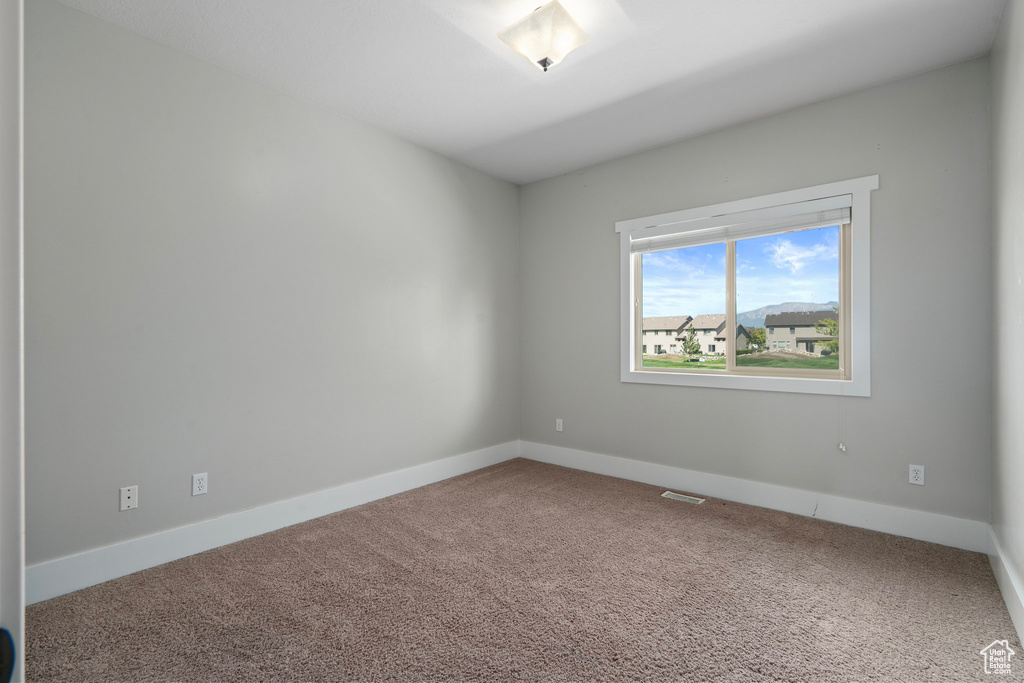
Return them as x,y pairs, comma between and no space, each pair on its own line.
682,497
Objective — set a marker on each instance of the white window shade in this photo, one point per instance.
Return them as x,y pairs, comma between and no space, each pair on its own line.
767,221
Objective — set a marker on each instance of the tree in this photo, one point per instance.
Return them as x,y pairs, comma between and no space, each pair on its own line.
758,337
690,345
831,328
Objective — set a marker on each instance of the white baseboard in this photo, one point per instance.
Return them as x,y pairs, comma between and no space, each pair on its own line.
49,579
57,577
925,526
1010,582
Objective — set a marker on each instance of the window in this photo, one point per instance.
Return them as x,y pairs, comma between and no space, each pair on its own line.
721,264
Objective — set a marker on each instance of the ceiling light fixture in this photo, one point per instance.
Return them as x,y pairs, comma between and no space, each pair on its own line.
545,35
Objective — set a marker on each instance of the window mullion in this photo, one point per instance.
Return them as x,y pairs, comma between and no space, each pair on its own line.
638,319
730,305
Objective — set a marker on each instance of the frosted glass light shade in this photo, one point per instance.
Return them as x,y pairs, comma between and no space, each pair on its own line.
545,36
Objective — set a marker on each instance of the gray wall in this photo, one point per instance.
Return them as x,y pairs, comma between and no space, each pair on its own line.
210,268
1008,183
12,585
928,139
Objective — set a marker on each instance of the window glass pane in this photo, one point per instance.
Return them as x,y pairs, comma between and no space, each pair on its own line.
686,286
787,299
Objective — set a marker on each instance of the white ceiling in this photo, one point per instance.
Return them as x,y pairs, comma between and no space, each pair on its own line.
655,71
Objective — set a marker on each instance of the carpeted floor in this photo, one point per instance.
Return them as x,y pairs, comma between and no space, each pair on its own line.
531,572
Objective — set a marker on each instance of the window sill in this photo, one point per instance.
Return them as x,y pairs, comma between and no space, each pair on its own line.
799,385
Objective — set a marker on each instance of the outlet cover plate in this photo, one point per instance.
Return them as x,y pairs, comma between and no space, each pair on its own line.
129,497
917,474
199,484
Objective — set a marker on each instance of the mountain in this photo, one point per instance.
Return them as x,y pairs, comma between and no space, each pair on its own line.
755,318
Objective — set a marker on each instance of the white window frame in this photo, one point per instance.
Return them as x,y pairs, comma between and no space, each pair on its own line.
859,382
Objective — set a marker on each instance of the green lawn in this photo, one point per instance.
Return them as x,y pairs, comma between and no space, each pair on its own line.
767,361
752,360
662,362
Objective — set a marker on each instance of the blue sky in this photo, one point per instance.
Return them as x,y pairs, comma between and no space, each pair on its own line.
793,266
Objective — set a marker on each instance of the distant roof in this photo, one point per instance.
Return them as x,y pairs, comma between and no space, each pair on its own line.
708,321
668,323
798,318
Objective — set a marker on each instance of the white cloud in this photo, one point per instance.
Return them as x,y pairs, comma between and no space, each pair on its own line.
785,254
681,261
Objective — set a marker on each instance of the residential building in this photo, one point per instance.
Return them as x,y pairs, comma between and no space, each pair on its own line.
660,334
710,332
797,331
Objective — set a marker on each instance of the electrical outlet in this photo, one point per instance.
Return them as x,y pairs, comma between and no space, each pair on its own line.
558,424
129,497
917,474
199,484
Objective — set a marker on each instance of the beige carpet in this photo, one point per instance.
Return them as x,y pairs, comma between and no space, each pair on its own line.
530,572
